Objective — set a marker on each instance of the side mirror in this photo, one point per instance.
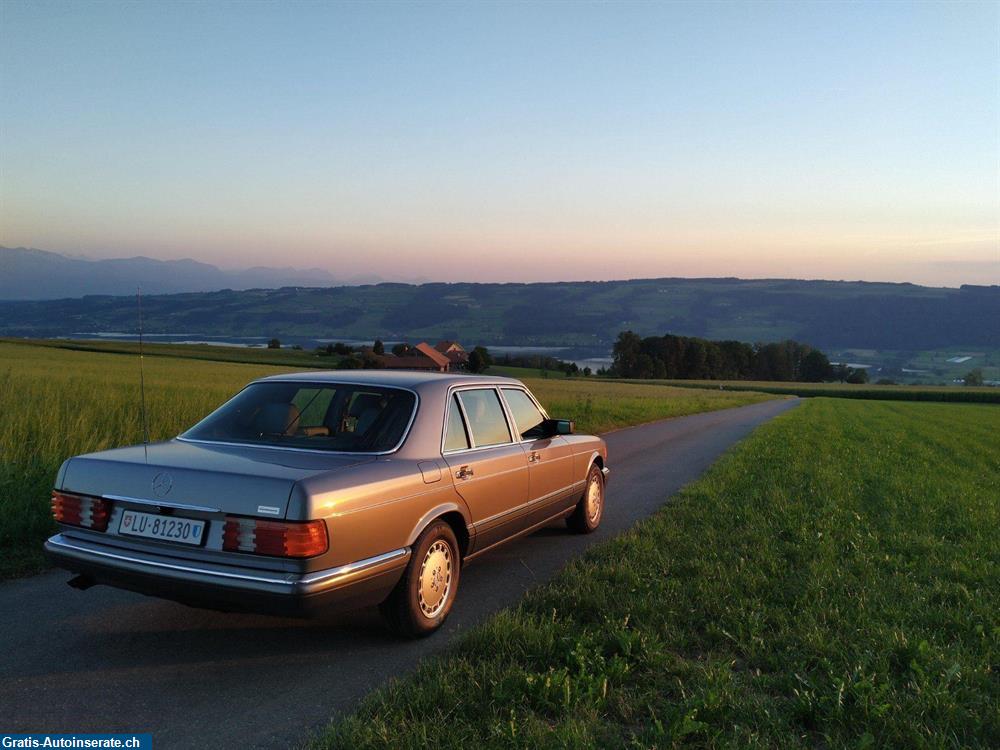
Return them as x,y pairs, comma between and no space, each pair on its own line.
561,426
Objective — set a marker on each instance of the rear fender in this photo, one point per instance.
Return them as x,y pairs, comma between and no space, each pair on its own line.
436,512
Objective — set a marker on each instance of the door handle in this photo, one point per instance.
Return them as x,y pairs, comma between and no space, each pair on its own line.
464,473
533,457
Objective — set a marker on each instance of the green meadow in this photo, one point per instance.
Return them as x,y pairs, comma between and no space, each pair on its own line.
834,581
59,401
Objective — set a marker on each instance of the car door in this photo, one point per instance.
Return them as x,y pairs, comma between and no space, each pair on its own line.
550,457
489,468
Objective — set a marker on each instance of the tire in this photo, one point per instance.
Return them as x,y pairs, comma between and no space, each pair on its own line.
587,515
422,599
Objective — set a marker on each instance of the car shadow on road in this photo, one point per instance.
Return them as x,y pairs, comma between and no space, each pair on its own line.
128,630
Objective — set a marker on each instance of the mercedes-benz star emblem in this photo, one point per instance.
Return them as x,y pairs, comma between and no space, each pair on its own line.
162,483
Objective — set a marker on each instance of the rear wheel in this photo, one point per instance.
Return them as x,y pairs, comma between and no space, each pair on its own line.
424,595
589,511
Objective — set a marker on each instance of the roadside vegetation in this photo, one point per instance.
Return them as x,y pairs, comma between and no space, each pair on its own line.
832,582
58,402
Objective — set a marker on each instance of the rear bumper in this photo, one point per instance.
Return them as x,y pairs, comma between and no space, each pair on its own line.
231,588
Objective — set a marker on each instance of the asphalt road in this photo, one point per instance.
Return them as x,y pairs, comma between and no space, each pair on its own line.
106,660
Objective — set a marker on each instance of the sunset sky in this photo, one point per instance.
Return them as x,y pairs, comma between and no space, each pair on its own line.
510,142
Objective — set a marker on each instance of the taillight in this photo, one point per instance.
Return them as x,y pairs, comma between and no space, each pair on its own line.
276,538
78,510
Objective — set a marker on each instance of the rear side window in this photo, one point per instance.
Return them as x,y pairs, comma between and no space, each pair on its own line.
486,418
527,417
455,437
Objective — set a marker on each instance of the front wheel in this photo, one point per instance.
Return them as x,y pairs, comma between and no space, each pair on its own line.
424,595
587,515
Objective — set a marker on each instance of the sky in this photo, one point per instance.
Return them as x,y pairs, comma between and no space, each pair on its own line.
509,141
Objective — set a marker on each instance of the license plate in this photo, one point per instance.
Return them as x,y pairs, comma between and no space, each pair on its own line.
164,528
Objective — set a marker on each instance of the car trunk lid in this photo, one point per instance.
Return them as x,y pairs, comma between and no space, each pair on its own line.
248,481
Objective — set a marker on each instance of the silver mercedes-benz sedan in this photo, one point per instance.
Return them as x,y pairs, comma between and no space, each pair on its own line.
319,489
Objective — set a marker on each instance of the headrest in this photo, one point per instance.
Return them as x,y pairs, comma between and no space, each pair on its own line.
363,402
278,419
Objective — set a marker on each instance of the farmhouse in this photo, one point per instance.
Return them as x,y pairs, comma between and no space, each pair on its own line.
454,351
421,357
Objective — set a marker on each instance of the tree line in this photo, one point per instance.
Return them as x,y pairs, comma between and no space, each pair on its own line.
690,358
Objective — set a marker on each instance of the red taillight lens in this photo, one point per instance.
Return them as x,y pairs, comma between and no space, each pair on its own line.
275,538
77,510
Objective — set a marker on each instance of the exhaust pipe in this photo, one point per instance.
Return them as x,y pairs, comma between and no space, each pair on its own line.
81,582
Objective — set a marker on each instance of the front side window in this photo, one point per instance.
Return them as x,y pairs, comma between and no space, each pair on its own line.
318,416
529,420
486,418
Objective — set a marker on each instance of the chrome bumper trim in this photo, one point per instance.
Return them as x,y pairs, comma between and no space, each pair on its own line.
354,567
288,579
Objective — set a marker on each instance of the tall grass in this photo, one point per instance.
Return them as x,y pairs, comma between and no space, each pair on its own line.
56,403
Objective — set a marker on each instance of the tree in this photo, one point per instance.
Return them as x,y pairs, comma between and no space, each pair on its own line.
401,350
840,372
378,347
274,344
974,377
695,360
626,352
858,376
815,367
349,363
586,372
370,361
479,359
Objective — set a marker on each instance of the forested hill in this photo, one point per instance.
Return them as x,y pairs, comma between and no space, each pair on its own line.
822,313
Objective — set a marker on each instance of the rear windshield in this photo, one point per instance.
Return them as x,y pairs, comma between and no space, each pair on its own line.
318,416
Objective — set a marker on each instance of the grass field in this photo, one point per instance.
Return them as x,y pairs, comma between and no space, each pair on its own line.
59,402
285,357
951,393
833,582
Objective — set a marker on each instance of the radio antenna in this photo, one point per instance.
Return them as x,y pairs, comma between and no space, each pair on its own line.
142,384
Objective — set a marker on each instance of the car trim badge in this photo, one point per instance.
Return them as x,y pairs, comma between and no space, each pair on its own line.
162,484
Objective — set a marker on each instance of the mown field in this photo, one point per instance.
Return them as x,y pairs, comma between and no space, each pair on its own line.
58,402
832,582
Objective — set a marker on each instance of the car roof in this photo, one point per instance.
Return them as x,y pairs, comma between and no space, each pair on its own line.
390,378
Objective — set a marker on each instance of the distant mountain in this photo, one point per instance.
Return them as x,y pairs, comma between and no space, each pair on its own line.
827,314
27,273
